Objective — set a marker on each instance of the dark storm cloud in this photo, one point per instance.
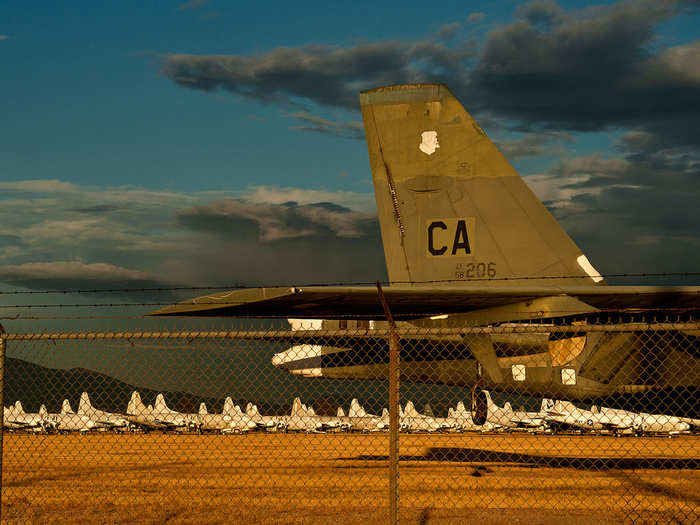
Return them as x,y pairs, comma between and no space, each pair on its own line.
583,69
347,130
327,75
632,214
533,144
587,69
237,219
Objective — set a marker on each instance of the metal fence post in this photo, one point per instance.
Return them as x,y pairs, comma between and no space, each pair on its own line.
394,346
2,405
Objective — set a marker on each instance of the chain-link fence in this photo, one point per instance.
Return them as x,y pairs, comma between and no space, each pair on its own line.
545,423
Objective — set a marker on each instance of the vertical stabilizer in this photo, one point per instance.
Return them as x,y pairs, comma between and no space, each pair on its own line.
341,412
135,406
298,409
228,407
84,406
43,412
356,409
451,207
203,409
18,407
66,408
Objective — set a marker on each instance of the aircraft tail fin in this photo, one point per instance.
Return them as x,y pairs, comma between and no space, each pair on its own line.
341,412
298,408
228,407
161,406
451,207
410,410
84,406
135,406
42,411
385,413
356,409
203,409
66,408
18,407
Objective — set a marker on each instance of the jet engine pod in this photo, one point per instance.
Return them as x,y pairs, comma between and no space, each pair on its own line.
480,407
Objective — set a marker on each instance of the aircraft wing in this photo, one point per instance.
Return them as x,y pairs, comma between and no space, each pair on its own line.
329,302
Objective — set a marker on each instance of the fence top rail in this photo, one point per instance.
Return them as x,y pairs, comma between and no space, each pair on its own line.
405,333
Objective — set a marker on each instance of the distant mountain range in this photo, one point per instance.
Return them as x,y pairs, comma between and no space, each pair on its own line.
35,385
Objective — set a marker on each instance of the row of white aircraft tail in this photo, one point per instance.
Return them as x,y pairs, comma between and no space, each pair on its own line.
553,415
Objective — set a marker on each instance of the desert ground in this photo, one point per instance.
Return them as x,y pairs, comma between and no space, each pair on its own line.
343,478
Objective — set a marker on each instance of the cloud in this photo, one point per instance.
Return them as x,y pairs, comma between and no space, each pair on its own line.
475,17
58,275
534,144
258,235
632,214
278,195
348,130
448,31
327,75
545,70
546,67
272,222
193,4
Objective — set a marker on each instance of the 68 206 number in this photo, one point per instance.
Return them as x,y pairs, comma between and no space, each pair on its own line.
479,270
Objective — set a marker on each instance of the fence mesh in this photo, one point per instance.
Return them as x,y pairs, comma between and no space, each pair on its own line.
259,423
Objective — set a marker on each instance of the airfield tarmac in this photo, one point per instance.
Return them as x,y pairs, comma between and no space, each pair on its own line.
343,478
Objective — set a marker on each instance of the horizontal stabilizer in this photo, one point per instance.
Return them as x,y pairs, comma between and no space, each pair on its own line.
423,300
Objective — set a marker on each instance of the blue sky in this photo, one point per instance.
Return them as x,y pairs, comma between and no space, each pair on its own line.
123,161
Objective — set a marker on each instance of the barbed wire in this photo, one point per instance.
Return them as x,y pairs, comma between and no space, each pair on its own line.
240,286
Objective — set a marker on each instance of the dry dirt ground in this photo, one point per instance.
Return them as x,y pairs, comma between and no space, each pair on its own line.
343,478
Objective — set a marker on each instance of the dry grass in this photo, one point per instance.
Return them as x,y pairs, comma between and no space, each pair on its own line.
340,478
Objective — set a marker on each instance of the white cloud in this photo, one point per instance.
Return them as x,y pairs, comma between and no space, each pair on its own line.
276,195
70,270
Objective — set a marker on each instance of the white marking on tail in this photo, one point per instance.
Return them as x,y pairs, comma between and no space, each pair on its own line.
587,267
429,142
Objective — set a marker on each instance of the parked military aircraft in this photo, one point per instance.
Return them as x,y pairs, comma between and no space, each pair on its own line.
15,417
467,243
100,417
67,420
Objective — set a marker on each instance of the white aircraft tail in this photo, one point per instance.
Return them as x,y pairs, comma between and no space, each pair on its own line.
203,409
42,411
84,406
252,410
298,409
341,412
356,409
161,406
66,408
385,413
18,407
410,410
228,407
135,406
